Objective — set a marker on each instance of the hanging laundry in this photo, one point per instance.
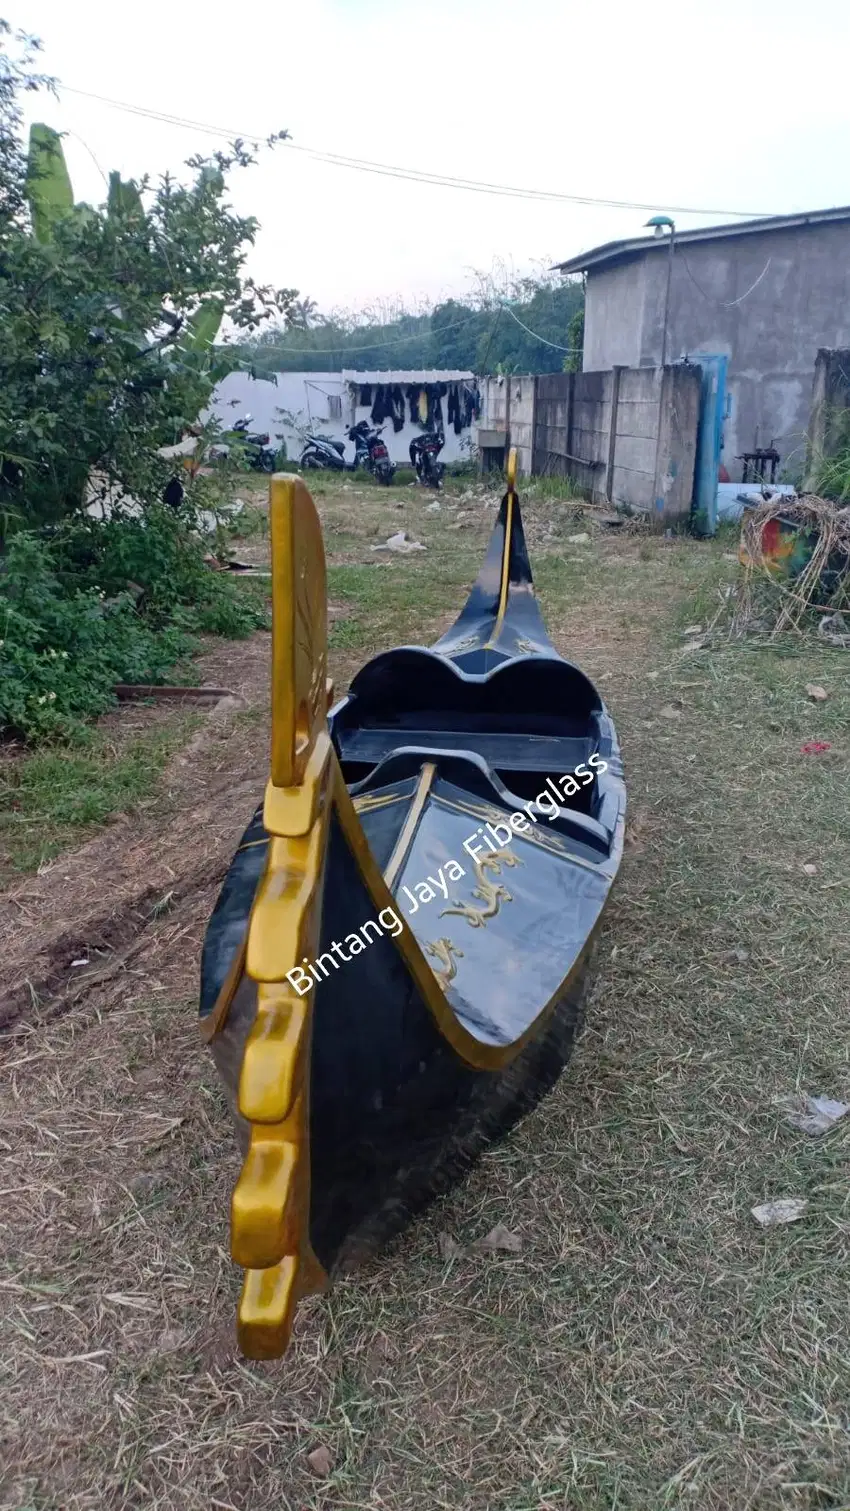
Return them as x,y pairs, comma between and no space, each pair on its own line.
365,393
397,408
454,412
423,406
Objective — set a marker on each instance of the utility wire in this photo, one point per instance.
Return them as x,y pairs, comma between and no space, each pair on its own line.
573,350
724,304
328,351
412,175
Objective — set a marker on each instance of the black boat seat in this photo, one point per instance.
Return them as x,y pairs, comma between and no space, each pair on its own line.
411,678
509,752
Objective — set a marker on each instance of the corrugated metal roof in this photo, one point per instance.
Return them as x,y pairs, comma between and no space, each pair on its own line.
417,375
621,251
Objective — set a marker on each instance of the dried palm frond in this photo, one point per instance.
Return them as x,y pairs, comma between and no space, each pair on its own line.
771,599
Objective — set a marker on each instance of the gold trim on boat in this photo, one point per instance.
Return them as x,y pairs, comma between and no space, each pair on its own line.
504,582
492,894
372,800
551,842
446,953
408,828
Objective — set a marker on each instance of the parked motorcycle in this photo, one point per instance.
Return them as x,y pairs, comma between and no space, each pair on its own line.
424,451
371,452
323,451
255,444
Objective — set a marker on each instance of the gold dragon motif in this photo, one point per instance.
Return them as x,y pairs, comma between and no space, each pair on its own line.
491,893
445,952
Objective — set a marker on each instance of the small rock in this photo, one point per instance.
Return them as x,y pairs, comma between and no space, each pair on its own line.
816,693
83,960
729,556
809,869
576,540
669,711
448,1246
738,957
692,629
320,1461
786,1209
499,1237
435,507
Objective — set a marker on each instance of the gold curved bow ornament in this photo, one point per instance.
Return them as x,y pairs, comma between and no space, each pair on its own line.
270,1205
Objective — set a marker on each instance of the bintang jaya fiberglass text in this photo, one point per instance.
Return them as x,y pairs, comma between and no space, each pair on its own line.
548,803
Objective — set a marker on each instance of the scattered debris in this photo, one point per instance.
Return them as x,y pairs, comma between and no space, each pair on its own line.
449,1247
670,711
499,1237
84,960
136,692
816,693
815,747
693,629
577,540
835,630
809,869
320,1461
738,957
402,543
786,1209
435,507
813,1115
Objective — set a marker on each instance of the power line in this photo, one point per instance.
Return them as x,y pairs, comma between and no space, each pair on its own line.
329,351
724,304
573,350
412,175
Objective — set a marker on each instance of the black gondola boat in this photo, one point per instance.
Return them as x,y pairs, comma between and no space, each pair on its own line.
393,972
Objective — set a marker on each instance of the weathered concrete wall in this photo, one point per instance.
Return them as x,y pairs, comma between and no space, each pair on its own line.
507,404
768,300
829,422
624,435
613,318
591,429
638,410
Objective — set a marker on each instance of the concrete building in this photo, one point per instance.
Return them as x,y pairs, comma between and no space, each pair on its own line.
765,293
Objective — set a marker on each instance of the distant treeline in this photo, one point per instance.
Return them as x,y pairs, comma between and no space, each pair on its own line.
481,334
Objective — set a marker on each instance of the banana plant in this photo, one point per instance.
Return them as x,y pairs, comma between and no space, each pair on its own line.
48,183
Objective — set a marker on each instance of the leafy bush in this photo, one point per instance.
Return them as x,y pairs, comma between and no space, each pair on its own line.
97,603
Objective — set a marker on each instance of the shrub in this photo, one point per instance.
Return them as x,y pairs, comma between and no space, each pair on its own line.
97,603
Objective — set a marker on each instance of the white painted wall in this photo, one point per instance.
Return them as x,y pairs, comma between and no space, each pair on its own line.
306,395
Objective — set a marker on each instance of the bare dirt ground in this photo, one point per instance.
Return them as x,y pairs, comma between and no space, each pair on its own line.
648,1347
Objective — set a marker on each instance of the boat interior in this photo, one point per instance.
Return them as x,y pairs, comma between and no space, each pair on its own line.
502,733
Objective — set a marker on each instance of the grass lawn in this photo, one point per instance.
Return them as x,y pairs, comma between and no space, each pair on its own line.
650,1347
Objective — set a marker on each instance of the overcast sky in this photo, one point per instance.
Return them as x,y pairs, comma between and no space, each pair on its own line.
742,105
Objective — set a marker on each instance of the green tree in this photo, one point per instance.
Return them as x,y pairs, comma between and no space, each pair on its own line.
108,315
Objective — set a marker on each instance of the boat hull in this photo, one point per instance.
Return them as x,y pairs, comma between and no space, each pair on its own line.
397,1116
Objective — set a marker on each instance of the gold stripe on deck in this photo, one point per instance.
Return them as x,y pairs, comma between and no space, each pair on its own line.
408,829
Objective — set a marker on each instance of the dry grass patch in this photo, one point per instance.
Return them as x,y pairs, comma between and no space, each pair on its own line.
650,1348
